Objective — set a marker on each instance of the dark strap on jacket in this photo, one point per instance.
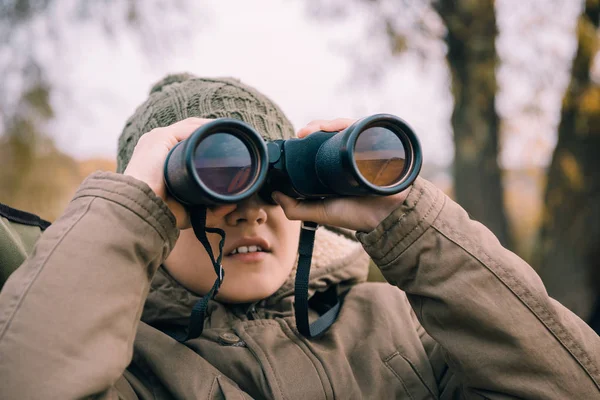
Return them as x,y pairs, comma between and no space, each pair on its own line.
196,323
305,250
22,217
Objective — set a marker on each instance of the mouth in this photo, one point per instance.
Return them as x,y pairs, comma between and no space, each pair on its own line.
248,257
247,254
246,250
249,247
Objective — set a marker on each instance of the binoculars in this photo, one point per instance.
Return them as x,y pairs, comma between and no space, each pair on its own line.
226,161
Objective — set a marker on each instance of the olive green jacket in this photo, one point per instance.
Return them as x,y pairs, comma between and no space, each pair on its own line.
19,231
461,318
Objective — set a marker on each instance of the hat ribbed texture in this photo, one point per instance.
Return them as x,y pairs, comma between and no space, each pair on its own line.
180,96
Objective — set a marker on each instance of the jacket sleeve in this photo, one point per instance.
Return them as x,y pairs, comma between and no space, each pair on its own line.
68,315
487,310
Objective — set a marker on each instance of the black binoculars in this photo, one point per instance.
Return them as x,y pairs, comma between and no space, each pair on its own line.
226,161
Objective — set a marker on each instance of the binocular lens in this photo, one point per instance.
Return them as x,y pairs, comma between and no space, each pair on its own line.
225,164
380,156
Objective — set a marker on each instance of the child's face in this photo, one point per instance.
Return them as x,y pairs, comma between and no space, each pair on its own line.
250,275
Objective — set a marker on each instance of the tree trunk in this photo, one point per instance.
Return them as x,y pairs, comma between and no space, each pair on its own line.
570,230
471,34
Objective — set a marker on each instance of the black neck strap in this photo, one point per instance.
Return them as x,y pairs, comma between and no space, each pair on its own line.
305,250
301,306
196,324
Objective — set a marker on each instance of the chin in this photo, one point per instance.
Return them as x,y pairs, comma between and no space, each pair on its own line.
247,282
246,291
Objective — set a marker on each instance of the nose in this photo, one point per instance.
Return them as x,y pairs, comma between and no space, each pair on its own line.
251,211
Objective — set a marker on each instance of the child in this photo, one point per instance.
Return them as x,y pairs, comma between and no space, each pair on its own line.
461,317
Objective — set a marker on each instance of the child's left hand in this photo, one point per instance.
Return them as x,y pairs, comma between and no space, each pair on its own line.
357,213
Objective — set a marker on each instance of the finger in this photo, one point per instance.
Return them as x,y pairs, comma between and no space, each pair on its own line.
176,132
184,128
334,125
312,126
338,124
300,210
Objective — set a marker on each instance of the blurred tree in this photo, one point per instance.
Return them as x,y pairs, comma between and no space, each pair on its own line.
34,173
570,230
35,176
594,267
470,34
470,37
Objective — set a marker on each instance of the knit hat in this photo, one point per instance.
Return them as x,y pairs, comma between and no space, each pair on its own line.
180,96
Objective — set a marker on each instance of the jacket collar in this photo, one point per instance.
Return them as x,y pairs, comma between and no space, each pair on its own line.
338,259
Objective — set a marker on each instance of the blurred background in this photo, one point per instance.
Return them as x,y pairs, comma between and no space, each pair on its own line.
504,95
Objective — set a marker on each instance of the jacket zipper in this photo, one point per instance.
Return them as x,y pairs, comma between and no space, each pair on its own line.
253,313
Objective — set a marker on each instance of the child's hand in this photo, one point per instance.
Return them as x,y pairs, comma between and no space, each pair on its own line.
356,213
148,159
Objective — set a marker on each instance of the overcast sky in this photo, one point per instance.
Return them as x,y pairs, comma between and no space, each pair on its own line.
301,62
278,48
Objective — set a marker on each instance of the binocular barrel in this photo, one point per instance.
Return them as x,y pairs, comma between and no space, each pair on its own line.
227,161
223,161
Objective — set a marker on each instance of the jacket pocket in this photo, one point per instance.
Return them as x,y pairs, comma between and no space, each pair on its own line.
409,377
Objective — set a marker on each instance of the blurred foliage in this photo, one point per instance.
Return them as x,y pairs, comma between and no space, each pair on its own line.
18,11
34,175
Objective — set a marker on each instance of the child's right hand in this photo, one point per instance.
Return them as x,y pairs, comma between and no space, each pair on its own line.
149,155
360,213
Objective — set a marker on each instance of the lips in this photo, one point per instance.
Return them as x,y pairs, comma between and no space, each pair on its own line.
249,241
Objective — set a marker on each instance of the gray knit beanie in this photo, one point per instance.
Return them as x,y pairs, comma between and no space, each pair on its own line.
180,96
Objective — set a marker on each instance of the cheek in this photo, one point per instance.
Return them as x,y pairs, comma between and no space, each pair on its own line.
189,263
289,234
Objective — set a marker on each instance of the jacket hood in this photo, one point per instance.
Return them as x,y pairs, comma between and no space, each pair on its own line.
338,259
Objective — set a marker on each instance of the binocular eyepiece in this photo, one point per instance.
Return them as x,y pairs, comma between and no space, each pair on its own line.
226,161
